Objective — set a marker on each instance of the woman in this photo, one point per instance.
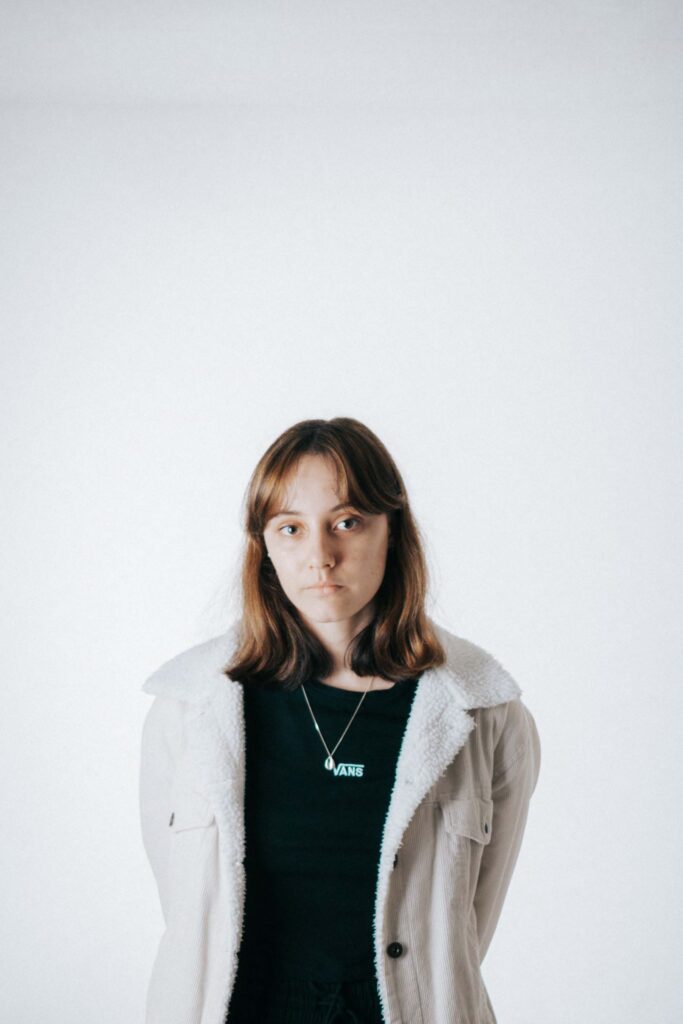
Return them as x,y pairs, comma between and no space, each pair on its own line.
333,792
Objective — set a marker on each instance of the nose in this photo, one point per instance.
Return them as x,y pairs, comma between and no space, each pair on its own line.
318,561
320,553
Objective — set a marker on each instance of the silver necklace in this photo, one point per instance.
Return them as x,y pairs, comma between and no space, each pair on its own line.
329,760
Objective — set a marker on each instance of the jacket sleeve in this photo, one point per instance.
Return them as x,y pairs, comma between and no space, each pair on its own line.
517,763
159,752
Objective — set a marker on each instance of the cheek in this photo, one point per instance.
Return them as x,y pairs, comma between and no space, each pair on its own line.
283,568
373,559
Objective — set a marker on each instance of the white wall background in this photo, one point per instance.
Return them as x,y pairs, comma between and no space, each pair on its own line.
458,222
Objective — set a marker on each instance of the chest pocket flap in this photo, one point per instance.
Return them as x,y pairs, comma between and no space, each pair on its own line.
468,816
190,810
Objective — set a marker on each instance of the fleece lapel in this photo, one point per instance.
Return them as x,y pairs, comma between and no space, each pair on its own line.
436,730
214,740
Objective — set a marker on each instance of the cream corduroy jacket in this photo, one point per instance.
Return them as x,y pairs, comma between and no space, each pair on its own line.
466,770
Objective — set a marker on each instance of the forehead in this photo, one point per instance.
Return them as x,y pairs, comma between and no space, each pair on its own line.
312,483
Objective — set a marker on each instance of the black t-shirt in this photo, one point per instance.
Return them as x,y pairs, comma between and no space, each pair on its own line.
313,835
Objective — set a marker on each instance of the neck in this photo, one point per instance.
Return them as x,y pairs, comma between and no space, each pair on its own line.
350,681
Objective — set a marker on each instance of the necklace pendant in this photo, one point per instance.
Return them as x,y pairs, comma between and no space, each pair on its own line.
329,763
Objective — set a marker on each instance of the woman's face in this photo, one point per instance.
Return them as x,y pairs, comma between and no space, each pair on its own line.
316,541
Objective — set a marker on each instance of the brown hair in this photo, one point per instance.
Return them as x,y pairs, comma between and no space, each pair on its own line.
274,645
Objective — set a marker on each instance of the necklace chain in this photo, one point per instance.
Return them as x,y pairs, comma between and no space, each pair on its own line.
329,760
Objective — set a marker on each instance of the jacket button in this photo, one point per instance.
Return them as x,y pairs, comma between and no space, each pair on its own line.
486,826
394,949
395,860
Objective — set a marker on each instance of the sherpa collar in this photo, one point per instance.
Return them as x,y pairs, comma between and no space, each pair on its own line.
473,676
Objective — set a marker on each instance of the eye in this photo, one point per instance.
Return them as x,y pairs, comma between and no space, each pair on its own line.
291,526
351,519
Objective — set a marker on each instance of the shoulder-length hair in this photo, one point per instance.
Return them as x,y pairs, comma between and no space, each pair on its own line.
274,645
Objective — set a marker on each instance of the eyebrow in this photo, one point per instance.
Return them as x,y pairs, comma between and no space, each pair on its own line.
291,512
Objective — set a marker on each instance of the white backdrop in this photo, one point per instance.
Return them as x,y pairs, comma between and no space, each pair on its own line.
457,222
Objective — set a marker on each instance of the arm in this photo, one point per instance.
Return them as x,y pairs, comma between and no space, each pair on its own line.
160,746
517,762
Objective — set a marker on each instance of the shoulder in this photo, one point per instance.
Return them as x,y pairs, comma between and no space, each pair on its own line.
514,735
192,674
479,678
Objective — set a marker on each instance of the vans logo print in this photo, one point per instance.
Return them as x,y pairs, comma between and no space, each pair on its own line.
349,769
